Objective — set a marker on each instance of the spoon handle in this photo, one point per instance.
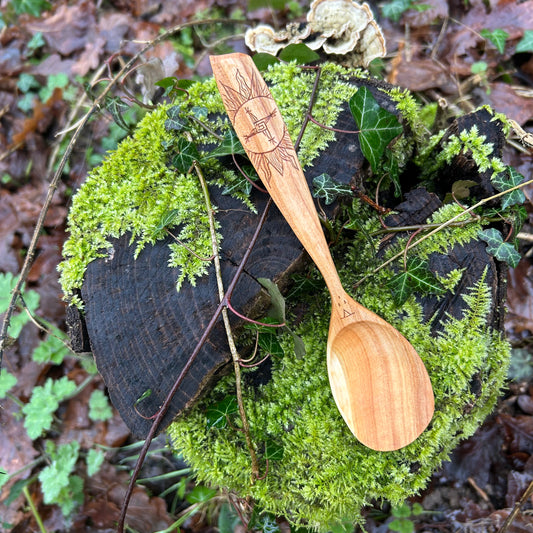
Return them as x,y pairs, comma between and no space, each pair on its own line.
264,136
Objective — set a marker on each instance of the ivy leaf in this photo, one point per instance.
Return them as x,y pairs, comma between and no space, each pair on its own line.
200,494
186,156
229,145
301,53
263,60
526,42
497,37
269,342
99,408
377,126
217,415
117,108
167,83
175,122
401,288
507,180
166,220
200,112
503,251
273,451
174,87
329,189
267,523
395,9
416,277
32,7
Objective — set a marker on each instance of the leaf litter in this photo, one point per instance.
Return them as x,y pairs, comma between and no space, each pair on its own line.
436,56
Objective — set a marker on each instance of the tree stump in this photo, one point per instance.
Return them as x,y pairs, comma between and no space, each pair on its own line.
142,330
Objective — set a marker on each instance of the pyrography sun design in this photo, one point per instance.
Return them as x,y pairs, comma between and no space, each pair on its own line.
266,141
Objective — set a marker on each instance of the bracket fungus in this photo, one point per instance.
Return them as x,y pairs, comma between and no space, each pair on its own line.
341,27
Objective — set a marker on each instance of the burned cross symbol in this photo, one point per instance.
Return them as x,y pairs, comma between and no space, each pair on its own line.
260,126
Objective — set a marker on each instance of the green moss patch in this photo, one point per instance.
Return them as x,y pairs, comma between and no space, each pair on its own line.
325,475
137,186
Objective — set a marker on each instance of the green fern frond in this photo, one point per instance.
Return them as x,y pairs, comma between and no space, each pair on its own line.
479,302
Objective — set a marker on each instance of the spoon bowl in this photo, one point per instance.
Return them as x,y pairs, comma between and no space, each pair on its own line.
378,381
376,400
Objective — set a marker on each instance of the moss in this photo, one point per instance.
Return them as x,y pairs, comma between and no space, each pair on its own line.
325,475
131,192
136,186
472,143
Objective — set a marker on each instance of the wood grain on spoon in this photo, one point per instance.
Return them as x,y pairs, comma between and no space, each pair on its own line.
378,381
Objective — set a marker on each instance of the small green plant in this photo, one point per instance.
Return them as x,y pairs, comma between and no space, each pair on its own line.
395,9
403,517
36,42
497,37
31,7
526,43
59,484
33,90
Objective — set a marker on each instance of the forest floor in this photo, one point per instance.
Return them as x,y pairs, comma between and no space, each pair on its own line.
462,54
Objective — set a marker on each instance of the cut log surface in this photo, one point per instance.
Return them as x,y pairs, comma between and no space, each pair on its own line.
142,331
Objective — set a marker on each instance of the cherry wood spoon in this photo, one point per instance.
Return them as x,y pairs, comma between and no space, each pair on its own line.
378,381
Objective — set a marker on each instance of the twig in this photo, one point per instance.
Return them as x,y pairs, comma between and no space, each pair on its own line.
227,326
34,511
308,113
166,404
516,509
441,227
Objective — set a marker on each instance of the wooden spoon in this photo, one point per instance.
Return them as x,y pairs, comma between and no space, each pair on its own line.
378,381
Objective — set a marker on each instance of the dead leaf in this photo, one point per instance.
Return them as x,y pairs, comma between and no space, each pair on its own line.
42,117
17,451
421,74
104,496
438,10
475,457
504,99
520,299
518,432
518,482
9,259
69,28
53,64
462,41
525,402
90,57
113,29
